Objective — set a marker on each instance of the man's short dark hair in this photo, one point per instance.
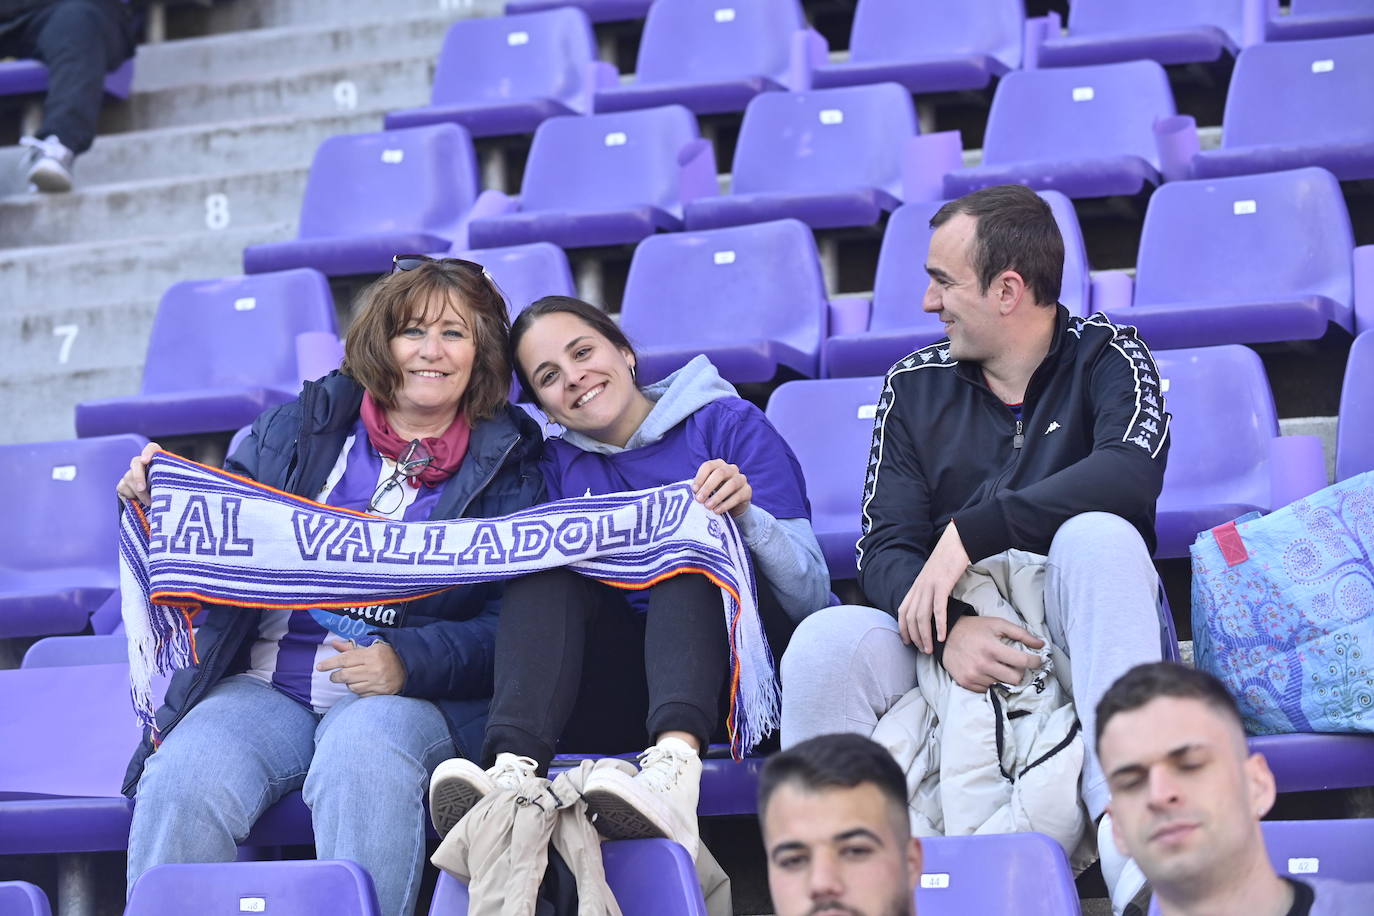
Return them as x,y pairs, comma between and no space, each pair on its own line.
835,762
1015,231
1144,683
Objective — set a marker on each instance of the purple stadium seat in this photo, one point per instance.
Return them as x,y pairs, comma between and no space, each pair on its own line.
20,898
1176,32
221,351
24,77
1312,762
1322,19
829,425
1232,260
715,57
991,874
897,326
1355,432
750,297
292,888
647,877
1086,131
1336,849
932,46
371,196
1317,86
1226,457
506,75
57,558
605,180
596,10
525,272
66,651
830,158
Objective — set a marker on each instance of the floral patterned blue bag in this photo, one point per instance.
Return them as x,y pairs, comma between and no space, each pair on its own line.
1283,611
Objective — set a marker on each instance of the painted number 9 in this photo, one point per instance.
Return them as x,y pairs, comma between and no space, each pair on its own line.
346,95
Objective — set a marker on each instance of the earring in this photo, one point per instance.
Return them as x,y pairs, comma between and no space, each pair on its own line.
551,427
634,373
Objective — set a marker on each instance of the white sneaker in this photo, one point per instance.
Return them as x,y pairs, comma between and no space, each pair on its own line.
48,164
658,801
458,784
1126,884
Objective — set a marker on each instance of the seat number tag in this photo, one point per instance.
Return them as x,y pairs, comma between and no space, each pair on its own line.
616,138
518,38
1323,66
393,156
1243,207
725,14
252,904
1305,866
868,411
937,881
245,304
64,472
723,257
1083,93
832,116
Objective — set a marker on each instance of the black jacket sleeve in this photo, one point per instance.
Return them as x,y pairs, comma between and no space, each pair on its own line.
1123,474
449,659
896,524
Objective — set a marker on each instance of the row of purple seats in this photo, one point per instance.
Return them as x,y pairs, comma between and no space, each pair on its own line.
1226,455
1196,31
1321,19
291,888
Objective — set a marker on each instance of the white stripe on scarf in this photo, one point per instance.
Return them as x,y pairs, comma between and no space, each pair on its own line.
213,537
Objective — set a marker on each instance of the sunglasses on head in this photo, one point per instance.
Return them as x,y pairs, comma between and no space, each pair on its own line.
404,262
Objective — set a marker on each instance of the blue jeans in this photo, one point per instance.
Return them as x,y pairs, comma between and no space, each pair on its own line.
364,766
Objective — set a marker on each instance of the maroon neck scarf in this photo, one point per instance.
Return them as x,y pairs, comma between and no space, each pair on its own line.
448,450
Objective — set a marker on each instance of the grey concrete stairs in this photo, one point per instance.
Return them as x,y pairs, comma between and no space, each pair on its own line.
209,154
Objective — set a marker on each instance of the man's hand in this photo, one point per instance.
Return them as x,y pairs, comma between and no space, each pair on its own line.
928,597
976,657
372,671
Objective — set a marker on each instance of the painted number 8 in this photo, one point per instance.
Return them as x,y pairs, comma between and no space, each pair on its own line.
216,211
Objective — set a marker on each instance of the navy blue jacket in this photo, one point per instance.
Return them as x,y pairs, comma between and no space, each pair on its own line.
447,641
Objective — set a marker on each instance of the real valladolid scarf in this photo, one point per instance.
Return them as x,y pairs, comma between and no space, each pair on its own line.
212,537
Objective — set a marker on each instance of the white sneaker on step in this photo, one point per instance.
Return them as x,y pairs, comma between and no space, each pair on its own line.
47,164
1126,884
658,801
459,784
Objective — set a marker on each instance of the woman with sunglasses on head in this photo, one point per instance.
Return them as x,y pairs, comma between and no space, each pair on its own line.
584,667
415,425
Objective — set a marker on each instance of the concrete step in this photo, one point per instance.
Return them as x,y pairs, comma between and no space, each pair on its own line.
171,152
264,14
127,270
55,358
369,85
186,205
224,58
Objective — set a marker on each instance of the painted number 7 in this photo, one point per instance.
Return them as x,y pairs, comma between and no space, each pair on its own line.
68,334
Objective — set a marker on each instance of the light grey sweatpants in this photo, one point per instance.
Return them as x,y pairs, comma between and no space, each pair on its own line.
846,666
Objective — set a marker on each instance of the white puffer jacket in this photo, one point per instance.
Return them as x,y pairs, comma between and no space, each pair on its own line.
1004,761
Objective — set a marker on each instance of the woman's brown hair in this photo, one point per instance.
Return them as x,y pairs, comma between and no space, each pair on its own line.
400,300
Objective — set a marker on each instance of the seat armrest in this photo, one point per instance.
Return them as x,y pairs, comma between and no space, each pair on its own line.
1176,143
926,159
1297,468
1034,34
1112,291
809,51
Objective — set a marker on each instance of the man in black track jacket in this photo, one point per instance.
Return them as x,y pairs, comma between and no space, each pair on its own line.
1026,429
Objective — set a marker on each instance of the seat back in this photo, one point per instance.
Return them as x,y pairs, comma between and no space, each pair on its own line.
825,140
20,898
688,41
608,161
1355,433
647,878
61,505
1316,85
292,888
897,30
420,178
1099,17
1223,422
543,55
829,425
990,874
1336,849
725,285
525,273
236,331
1249,239
1078,112
901,279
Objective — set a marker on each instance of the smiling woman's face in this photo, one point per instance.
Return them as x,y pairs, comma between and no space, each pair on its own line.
582,381
434,352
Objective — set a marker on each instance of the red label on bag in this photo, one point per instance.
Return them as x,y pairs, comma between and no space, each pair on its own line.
1232,547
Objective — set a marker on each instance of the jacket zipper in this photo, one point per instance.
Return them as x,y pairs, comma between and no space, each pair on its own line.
1018,440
